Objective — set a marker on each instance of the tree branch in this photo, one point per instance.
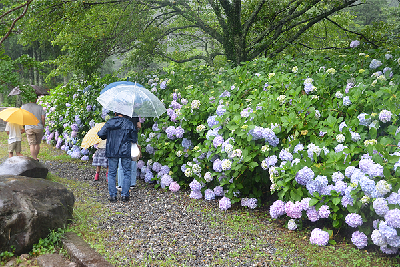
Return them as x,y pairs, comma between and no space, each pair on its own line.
356,33
28,2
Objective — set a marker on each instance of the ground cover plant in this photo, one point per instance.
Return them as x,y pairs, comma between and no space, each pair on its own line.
318,134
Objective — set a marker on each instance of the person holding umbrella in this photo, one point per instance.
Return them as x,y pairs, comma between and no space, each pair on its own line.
120,132
34,133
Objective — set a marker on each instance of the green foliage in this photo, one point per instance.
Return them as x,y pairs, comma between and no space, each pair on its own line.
6,255
49,244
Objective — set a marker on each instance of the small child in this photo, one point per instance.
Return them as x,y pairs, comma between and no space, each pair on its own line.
100,159
14,138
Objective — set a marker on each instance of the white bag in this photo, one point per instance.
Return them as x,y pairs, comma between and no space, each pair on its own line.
135,152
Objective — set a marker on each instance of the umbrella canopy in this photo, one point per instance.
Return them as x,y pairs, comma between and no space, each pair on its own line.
91,136
132,100
18,116
38,90
111,85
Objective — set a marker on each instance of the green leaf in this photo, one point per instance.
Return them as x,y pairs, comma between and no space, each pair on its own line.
313,201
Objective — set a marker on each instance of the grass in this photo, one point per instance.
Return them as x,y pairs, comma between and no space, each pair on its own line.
250,227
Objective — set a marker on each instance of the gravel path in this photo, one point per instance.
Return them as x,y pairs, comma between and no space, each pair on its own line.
160,228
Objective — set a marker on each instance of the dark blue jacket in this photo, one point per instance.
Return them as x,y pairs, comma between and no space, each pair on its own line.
120,132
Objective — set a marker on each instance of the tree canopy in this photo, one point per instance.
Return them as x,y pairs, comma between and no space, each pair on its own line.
89,31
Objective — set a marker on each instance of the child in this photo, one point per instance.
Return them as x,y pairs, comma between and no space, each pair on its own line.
120,132
100,159
14,138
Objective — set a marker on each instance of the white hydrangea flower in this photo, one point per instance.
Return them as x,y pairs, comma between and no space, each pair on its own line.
340,138
195,104
331,71
338,94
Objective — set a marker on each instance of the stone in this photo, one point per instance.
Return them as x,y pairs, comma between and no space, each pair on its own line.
54,260
30,209
81,253
23,166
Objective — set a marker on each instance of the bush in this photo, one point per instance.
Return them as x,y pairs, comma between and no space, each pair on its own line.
318,134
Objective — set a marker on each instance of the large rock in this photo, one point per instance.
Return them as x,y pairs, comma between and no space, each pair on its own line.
23,166
30,209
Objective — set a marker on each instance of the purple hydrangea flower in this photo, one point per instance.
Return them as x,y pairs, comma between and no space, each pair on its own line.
166,180
353,220
319,237
218,140
217,165
67,105
224,203
293,210
195,194
277,209
85,158
387,250
359,239
174,186
312,214
354,44
298,147
324,211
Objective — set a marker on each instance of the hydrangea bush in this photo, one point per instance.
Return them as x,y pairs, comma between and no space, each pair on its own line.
319,134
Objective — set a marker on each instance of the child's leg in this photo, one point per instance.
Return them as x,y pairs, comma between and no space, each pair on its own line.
10,154
18,148
96,176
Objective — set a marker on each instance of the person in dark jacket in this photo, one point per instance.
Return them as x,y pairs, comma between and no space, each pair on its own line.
120,132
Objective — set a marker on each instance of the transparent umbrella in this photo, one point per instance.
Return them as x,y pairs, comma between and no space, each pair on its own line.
131,99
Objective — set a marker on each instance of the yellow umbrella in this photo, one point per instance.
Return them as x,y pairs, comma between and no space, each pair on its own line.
18,116
91,136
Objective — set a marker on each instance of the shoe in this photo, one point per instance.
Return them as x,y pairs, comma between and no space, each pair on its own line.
124,199
119,188
132,187
112,199
96,177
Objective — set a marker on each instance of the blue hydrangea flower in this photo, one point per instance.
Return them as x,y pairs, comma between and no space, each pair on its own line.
319,237
298,147
218,140
375,64
186,143
285,155
209,194
392,218
220,110
218,191
363,120
380,206
292,225
359,239
211,121
354,44
385,116
346,101
353,220
390,251
378,239
342,125
386,230
217,165
148,176
393,198
304,175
